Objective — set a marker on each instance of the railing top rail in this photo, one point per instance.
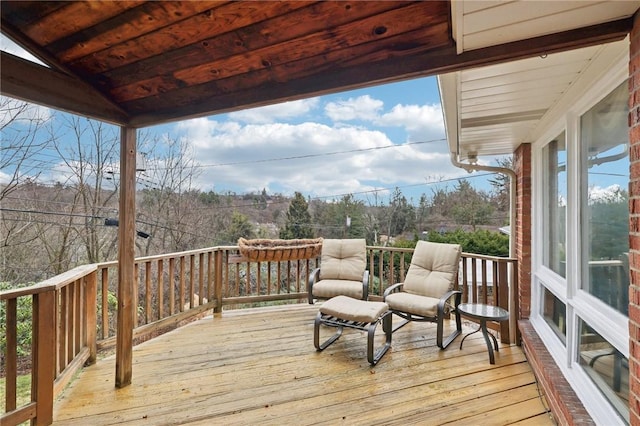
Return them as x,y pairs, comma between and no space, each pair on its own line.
487,257
53,283
168,255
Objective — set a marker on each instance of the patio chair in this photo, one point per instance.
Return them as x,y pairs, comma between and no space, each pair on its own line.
342,270
426,294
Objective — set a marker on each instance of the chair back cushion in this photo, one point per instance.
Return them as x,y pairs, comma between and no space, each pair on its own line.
343,259
433,269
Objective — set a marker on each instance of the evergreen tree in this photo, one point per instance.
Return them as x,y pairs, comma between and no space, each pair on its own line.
298,220
240,227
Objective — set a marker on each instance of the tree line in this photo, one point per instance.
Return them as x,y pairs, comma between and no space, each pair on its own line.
49,228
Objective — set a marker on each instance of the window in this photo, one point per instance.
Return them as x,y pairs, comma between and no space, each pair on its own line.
555,314
606,366
554,176
580,275
605,200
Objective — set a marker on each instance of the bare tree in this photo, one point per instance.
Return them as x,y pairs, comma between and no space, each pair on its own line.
21,125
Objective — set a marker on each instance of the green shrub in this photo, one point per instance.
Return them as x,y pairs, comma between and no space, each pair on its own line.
479,242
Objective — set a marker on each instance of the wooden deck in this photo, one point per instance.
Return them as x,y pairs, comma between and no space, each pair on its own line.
259,366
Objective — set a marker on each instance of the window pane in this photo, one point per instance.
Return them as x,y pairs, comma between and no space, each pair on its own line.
555,314
605,208
554,180
607,367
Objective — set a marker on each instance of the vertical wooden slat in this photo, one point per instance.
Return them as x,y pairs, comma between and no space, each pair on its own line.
63,328
258,277
11,365
44,359
147,292
474,281
91,315
183,262
105,302
136,293
247,284
192,280
288,276
503,301
160,289
201,294
485,283
217,282
78,320
172,290
392,267
465,277
279,272
298,276
269,278
210,275
126,256
381,266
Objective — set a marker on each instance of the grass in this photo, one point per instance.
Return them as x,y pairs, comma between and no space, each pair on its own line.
23,390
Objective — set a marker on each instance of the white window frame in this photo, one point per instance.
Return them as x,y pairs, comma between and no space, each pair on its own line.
608,322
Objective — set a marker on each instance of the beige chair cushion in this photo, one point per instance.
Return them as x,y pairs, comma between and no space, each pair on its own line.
329,288
433,268
343,260
350,309
413,304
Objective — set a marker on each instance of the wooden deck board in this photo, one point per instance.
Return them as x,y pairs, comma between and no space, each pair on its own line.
260,367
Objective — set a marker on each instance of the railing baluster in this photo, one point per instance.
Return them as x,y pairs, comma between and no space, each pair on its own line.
172,289
105,302
160,275
183,262
201,294
192,280
11,354
147,292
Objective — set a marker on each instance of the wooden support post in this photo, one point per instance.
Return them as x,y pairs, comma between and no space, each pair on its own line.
126,256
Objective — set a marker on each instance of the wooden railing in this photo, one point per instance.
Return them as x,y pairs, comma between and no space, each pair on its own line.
74,314
63,324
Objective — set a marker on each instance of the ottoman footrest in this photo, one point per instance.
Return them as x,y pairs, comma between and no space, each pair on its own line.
343,311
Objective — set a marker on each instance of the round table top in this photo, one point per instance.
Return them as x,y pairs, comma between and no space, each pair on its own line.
480,311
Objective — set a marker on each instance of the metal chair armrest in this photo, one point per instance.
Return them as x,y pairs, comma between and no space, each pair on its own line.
444,299
365,285
313,277
393,289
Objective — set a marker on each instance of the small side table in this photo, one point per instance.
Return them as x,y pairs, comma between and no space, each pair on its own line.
483,313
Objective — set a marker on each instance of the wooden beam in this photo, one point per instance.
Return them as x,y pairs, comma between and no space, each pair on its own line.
368,70
126,258
31,82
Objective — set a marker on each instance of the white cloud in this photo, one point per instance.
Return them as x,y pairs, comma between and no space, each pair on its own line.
415,118
360,108
272,113
314,158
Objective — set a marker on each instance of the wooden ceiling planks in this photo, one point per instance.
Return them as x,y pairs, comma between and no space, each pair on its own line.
162,61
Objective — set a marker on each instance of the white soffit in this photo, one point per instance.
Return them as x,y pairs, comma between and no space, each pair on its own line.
479,24
492,110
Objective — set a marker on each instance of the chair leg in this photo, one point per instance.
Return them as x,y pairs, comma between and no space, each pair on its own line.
316,334
442,344
372,357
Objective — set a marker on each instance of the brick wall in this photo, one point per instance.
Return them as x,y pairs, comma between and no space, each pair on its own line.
634,223
522,167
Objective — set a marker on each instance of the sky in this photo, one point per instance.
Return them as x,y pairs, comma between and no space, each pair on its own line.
365,142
